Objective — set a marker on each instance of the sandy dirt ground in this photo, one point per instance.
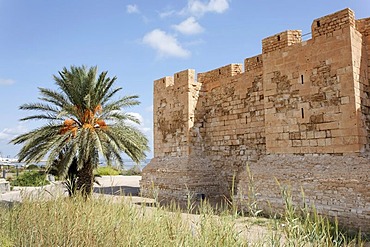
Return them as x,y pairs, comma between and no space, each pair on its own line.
108,185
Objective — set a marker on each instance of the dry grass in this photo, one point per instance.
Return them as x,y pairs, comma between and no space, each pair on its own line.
106,221
102,222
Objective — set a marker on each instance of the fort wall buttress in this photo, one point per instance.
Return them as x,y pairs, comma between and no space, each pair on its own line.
361,71
173,106
309,93
159,102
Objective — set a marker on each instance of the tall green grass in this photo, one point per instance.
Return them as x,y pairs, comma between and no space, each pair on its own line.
303,226
104,222
108,221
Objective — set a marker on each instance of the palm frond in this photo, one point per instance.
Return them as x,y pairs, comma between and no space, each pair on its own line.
53,97
109,95
41,116
39,107
130,140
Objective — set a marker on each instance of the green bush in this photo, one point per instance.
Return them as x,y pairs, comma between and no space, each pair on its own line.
107,171
31,178
32,167
13,170
134,171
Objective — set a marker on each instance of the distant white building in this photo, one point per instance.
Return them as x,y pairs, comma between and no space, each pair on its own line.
8,160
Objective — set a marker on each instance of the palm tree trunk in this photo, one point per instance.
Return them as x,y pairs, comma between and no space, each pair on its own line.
85,179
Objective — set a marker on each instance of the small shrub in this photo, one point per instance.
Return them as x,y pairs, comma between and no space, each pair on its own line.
107,171
32,178
134,171
32,167
9,178
12,170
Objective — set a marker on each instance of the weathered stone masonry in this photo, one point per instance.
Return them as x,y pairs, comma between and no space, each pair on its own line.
298,113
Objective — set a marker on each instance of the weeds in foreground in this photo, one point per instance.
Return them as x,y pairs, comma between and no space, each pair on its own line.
252,195
303,226
102,221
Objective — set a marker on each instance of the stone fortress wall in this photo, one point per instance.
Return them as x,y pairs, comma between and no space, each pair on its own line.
299,113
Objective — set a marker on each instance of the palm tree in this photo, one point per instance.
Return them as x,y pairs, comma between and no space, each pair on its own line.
84,123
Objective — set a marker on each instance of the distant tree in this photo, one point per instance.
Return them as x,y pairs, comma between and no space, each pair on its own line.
84,123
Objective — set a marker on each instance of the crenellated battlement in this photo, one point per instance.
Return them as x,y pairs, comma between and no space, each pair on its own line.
299,113
363,26
281,40
163,83
179,79
328,24
253,63
184,78
222,72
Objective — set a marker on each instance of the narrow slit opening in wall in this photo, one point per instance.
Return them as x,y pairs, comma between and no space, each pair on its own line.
219,72
302,79
278,37
258,59
201,196
302,112
318,23
177,75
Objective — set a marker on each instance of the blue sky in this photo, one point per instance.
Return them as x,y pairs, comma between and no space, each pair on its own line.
137,41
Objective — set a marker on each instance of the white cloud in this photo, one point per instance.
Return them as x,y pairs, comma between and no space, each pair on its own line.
136,115
132,9
167,13
8,134
199,8
149,108
146,130
194,42
140,126
189,26
6,81
165,44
